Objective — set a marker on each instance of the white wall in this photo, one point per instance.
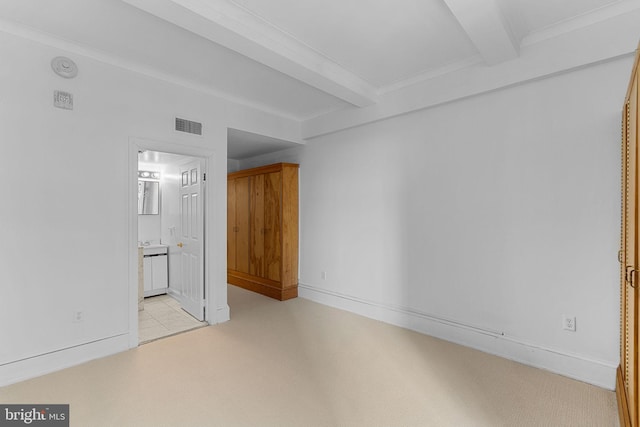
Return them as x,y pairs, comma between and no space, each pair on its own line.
497,213
149,228
233,165
290,155
64,177
482,221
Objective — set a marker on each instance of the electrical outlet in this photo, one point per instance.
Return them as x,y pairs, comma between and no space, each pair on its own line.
569,323
323,275
78,316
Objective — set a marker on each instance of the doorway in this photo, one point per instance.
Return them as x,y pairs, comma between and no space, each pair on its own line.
168,234
170,237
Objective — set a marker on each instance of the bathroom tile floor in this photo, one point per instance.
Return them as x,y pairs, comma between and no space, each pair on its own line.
162,316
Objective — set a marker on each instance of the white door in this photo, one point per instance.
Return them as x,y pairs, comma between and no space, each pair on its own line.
190,241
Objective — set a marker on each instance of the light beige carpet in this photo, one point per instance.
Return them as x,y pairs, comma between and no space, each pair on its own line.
298,363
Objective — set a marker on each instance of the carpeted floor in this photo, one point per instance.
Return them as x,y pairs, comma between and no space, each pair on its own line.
298,363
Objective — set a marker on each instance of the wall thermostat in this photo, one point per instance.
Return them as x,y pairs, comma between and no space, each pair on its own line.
63,100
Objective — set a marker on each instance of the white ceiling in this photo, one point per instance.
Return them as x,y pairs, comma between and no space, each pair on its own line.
381,42
243,145
148,157
527,16
142,41
329,64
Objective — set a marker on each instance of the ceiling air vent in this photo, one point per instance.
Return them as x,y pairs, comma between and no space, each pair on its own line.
183,125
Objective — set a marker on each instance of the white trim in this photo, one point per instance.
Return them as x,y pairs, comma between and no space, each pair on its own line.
173,293
612,31
431,74
581,21
597,372
34,35
241,30
610,40
223,314
545,52
32,367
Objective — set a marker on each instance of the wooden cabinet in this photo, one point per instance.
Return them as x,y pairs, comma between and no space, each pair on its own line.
262,230
627,378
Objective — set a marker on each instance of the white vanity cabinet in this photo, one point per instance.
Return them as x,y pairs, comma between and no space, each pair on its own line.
156,272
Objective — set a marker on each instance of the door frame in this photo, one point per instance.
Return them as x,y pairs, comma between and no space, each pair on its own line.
135,145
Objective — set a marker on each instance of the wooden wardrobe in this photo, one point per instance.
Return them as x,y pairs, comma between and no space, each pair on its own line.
627,377
262,230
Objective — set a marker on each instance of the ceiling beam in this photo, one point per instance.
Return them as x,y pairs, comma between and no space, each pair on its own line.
487,28
235,28
613,44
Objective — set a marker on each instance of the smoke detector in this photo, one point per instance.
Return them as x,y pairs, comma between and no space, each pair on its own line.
64,67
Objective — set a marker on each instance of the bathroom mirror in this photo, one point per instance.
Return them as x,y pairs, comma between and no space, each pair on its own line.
148,195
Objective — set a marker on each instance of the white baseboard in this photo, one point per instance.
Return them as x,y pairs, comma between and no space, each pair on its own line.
223,314
596,372
25,369
174,293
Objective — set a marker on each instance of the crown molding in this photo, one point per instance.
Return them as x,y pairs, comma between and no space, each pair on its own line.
597,36
556,30
40,37
431,74
236,28
611,39
581,21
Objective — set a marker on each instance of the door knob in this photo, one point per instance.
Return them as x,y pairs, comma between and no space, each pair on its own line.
180,245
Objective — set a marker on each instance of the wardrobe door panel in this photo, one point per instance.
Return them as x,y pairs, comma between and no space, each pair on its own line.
231,224
272,224
289,227
242,221
256,203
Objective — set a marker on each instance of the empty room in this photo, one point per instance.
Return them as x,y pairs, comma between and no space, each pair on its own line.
319,213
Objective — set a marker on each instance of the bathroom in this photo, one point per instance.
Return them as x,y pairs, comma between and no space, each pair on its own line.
166,286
